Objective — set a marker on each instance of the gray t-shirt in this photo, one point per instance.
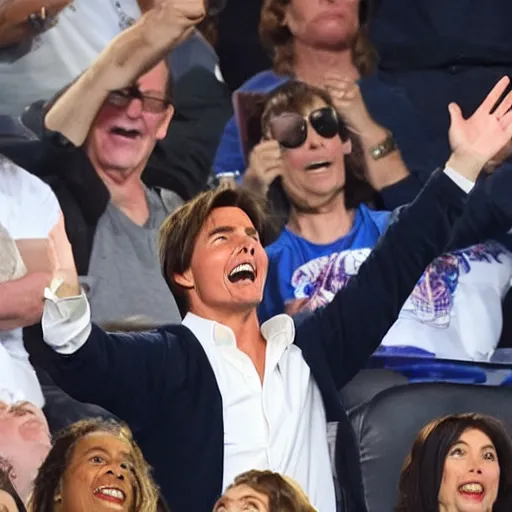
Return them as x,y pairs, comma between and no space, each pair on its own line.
124,278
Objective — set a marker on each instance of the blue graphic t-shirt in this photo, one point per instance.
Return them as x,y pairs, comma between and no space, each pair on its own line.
453,312
297,267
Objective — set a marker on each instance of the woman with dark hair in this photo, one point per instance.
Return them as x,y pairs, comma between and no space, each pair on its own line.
326,44
458,463
95,465
263,491
329,232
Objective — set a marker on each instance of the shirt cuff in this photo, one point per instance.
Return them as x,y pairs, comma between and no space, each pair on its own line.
458,179
66,322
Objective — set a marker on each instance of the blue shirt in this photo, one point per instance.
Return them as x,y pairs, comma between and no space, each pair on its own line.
293,260
389,106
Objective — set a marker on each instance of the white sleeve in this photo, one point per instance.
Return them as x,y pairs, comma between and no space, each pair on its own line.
461,181
66,322
37,207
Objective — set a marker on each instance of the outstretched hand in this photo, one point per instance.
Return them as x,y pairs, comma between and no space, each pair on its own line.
474,141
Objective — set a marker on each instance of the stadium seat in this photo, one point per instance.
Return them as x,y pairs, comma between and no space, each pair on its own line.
386,427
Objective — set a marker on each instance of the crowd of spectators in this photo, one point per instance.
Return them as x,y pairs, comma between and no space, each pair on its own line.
213,214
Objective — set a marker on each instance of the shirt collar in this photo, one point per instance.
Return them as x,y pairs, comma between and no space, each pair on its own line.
280,327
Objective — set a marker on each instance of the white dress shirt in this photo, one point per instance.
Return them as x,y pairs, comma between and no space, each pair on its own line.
279,424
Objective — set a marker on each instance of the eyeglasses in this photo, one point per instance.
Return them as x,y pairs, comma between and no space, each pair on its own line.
290,129
121,98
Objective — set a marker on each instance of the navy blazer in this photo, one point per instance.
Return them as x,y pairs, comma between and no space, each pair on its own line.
163,386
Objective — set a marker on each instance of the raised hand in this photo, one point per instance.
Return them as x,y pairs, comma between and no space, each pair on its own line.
474,141
185,13
265,165
348,100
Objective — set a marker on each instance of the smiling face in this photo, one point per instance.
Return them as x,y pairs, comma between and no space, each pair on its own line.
98,476
329,25
242,497
314,173
228,266
24,442
471,475
122,138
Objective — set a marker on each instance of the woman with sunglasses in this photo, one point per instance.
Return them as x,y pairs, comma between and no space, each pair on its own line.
326,44
454,311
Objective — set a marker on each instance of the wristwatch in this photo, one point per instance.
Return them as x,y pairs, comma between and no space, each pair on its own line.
387,146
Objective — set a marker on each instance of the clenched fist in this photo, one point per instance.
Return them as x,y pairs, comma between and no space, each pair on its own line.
181,13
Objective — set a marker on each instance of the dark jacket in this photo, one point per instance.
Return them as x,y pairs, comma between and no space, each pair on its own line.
162,384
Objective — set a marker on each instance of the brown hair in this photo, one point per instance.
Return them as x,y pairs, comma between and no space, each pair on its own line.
294,96
420,479
278,40
284,495
55,465
179,232
6,475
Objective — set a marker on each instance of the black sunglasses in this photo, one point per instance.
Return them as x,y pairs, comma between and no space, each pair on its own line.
122,97
290,129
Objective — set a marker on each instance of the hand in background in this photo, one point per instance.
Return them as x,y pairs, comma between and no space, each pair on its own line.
474,141
265,165
349,102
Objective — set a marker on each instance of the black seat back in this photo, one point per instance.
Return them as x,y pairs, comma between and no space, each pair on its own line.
387,425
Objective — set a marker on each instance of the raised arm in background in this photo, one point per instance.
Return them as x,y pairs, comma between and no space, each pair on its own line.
128,56
352,326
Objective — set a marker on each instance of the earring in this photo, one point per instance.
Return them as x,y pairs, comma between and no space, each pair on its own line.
58,498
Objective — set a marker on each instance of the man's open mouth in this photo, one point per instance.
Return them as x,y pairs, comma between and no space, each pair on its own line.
315,166
242,272
125,132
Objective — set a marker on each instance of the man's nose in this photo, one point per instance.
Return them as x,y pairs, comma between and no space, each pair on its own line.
247,249
134,108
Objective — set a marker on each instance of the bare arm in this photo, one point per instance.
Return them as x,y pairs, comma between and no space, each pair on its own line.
390,168
21,300
128,56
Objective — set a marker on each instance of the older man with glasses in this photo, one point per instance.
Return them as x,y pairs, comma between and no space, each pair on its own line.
112,217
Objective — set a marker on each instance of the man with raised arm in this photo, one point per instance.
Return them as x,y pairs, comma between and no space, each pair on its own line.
221,394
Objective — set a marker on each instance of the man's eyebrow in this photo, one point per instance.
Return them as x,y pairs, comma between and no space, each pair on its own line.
22,406
152,92
220,229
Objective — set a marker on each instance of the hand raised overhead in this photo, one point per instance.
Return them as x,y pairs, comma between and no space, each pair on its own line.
474,141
